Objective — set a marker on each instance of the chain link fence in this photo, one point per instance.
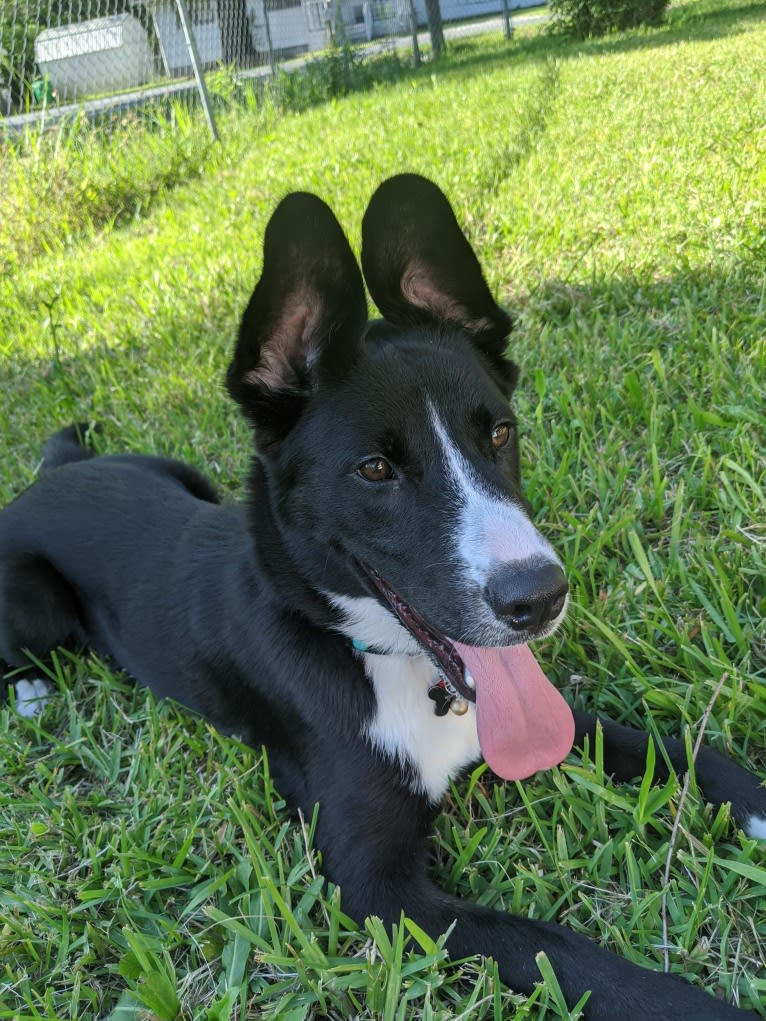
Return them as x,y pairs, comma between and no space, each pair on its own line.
61,57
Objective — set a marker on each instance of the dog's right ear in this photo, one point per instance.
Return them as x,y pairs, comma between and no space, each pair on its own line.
421,269
305,317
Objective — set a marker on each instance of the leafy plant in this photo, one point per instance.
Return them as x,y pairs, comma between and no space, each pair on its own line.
584,18
339,71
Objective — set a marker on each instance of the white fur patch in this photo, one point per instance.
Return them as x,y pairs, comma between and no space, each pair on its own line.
756,827
491,531
406,728
31,697
368,621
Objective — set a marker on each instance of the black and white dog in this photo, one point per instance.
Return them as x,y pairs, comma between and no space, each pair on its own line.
365,614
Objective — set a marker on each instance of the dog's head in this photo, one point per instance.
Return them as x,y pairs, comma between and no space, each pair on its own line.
390,452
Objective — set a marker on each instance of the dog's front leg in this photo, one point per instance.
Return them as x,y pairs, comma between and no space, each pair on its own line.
719,779
372,833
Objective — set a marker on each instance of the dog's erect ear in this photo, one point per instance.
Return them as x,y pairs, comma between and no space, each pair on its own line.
420,267
305,316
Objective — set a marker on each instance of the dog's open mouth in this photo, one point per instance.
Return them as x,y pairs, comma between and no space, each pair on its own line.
523,722
438,646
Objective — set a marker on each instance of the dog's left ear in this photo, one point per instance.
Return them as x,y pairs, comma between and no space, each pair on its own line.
420,268
305,317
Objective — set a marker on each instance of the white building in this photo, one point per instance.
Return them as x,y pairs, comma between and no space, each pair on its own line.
289,27
282,27
101,55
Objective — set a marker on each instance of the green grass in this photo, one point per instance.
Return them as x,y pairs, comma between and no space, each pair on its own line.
60,187
614,190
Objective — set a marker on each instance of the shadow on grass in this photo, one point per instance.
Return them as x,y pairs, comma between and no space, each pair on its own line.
45,392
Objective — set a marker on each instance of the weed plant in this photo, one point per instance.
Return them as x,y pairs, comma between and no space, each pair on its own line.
585,18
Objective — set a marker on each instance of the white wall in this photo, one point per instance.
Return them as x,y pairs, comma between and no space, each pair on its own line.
95,57
175,55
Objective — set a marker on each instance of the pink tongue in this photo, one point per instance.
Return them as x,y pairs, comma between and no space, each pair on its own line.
523,722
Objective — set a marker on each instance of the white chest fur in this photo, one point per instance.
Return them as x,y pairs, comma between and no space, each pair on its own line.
406,728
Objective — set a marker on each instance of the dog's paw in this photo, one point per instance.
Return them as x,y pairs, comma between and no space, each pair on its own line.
751,811
756,826
31,697
721,780
750,807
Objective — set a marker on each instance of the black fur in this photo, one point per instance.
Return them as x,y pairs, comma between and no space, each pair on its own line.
225,608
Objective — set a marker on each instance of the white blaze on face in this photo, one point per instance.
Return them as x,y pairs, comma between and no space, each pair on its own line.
490,532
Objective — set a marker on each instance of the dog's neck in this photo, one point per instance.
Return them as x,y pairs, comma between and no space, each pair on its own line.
430,749
444,697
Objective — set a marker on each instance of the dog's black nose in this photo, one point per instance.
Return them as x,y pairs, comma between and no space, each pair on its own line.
528,595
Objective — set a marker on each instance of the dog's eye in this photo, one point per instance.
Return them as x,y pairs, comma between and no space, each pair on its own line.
376,469
501,434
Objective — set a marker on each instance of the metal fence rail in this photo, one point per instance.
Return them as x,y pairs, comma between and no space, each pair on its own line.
60,56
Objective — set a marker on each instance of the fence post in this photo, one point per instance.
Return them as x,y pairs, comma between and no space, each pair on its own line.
507,27
191,45
269,43
414,33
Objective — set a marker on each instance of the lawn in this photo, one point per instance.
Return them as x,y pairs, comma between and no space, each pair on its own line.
615,191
